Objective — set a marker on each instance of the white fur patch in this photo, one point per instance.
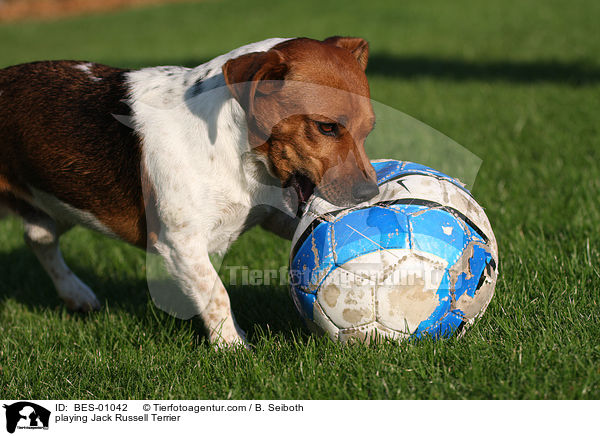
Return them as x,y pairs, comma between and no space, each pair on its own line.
87,68
39,234
195,149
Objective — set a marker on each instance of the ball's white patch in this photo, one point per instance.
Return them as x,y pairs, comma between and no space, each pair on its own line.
407,296
395,287
370,332
347,299
322,323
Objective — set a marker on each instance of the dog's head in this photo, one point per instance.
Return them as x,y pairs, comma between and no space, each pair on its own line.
308,110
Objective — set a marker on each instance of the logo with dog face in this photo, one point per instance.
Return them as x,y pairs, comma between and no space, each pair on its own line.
26,415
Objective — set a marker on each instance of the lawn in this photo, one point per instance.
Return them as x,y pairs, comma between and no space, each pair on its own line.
516,83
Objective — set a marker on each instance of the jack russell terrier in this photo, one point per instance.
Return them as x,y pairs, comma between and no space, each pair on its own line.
181,161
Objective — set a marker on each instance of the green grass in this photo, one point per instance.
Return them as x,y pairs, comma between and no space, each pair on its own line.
515,82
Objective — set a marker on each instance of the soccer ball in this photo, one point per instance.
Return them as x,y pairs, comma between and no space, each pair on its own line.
418,259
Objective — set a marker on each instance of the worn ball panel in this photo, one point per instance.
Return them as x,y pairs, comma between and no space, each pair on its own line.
321,324
369,333
418,259
408,292
313,259
347,299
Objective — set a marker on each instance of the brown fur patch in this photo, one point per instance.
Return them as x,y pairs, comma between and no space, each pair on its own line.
291,90
58,135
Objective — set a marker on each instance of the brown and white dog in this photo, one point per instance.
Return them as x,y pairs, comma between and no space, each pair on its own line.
181,161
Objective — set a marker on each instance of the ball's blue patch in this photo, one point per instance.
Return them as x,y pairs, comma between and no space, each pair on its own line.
449,323
476,234
304,302
444,304
386,170
438,232
300,301
444,327
366,230
313,258
474,271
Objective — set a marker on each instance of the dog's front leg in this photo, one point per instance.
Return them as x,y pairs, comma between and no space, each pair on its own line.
188,262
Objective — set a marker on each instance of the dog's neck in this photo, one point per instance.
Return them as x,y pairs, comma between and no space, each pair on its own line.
193,130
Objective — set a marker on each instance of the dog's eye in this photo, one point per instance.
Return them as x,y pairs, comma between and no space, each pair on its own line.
329,129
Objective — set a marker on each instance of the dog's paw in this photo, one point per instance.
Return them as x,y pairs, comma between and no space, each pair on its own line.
77,295
234,345
233,341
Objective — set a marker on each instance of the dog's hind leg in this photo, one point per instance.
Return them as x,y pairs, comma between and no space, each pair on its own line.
42,234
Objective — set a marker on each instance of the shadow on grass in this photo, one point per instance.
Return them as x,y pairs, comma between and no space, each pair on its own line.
265,308
257,308
575,73
25,281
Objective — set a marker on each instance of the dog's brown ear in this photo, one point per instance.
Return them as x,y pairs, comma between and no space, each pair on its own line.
357,46
254,73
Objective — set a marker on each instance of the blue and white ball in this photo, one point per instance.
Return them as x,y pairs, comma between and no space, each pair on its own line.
418,259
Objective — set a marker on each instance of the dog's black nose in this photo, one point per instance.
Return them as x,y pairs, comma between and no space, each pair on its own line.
364,191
